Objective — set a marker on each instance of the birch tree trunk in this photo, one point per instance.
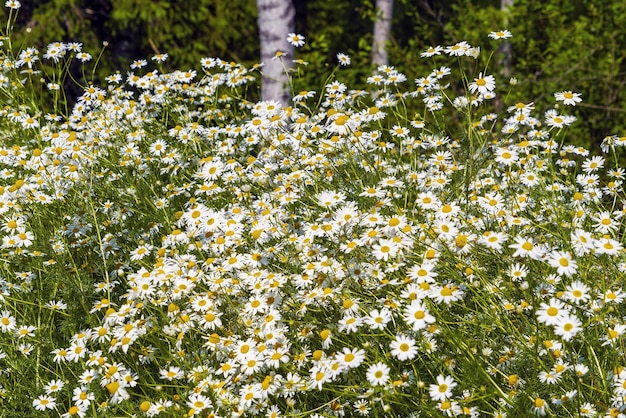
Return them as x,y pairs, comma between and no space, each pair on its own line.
275,21
382,32
505,47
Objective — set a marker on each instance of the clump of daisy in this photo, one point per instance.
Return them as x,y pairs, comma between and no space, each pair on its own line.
409,247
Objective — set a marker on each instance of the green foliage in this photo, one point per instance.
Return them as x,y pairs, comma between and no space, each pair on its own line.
188,30
139,29
578,46
556,45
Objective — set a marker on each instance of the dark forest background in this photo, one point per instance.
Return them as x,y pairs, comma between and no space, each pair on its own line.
557,44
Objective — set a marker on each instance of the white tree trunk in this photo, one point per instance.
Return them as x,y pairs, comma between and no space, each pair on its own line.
382,31
276,21
505,47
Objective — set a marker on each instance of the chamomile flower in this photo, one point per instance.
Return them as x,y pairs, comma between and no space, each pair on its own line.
483,84
563,262
593,164
493,240
506,157
172,373
445,228
417,315
518,272
76,351
385,249
344,60
351,358
319,375
586,409
54,386
613,334
442,389
55,51
540,406
403,348
605,222
492,203
608,246
501,34
577,292
76,411
295,39
549,377
459,49
25,331
303,95
432,51
568,98
160,58
582,242
424,272
378,374
362,407
378,319
138,64
8,322
350,323
567,326
43,402
12,4
552,313
525,247
614,296
529,178
446,293
554,120
140,252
